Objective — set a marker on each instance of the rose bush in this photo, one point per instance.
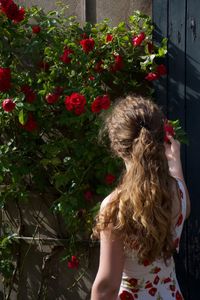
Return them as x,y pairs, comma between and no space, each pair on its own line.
55,80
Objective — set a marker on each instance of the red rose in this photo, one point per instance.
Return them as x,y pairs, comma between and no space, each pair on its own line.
161,70
105,102
8,105
109,38
98,67
100,102
84,35
178,296
109,179
169,130
73,263
43,65
180,220
5,79
87,45
126,296
52,98
150,47
30,124
151,76
9,8
91,78
12,11
118,64
66,56
153,291
58,90
75,102
88,195
30,95
137,41
36,29
133,282
20,15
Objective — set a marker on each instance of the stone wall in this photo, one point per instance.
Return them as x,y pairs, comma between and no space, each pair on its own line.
96,10
76,7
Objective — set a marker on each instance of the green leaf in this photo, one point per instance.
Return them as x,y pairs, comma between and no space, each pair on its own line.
22,117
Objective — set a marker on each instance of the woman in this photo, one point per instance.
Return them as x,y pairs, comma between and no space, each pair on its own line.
141,221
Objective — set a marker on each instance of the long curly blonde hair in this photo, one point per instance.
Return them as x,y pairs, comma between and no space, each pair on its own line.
141,206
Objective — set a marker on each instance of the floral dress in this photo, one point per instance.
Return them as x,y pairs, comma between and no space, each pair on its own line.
156,281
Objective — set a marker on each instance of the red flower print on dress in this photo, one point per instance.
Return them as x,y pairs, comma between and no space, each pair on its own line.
126,296
178,296
167,280
148,285
172,287
134,290
153,291
176,242
156,270
181,193
156,280
180,220
133,282
146,262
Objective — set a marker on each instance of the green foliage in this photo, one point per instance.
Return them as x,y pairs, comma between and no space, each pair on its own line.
60,153
179,132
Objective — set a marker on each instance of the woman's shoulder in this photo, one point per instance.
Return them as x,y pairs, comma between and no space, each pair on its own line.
109,199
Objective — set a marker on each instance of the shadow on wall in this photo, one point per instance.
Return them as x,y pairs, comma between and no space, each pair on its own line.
43,272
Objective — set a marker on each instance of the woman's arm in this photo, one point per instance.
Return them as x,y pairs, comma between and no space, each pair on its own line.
172,151
108,279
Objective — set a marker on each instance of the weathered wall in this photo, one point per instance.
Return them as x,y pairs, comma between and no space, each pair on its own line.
96,10
76,7
120,10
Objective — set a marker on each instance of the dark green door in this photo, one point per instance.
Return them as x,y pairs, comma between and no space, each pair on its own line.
179,93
